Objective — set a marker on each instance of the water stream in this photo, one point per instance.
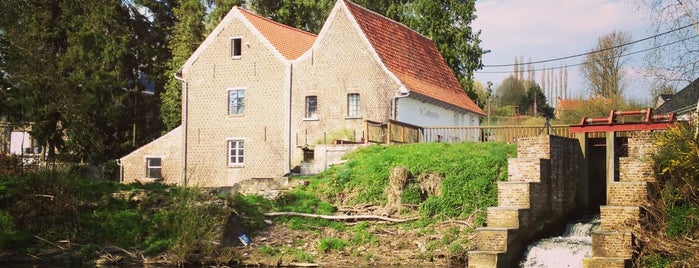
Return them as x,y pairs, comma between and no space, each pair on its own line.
567,250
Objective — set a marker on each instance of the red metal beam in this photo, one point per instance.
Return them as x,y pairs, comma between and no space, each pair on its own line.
620,127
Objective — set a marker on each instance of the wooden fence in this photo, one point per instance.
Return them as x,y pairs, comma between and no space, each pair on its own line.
393,132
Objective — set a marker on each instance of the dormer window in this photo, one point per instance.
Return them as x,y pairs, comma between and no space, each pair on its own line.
236,47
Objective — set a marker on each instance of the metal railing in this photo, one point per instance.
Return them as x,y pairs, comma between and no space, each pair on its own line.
507,134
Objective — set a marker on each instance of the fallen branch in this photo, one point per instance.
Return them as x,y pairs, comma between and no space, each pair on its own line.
340,217
43,195
52,243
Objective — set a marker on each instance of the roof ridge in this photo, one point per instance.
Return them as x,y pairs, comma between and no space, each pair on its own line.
386,18
243,10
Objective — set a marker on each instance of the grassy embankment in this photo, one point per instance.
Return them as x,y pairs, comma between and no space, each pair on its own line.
83,219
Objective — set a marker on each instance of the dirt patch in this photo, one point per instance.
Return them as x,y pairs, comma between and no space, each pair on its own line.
430,184
393,245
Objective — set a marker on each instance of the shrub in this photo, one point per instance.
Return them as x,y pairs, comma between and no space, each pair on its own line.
328,244
10,165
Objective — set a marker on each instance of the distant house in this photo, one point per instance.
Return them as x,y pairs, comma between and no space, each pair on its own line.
683,103
563,106
256,93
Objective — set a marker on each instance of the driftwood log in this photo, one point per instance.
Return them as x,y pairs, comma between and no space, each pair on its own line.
340,217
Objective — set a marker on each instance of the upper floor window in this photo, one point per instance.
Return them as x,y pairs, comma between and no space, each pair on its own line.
353,105
236,47
311,106
236,101
154,167
236,152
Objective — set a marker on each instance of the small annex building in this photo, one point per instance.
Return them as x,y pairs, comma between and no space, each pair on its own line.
256,92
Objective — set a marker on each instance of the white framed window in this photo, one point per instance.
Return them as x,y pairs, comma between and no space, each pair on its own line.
236,101
154,167
311,106
353,106
236,47
236,152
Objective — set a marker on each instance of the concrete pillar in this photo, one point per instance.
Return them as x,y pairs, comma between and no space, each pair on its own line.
583,164
610,160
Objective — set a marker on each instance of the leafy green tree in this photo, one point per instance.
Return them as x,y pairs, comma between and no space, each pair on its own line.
307,15
511,92
535,102
77,70
187,34
219,9
31,38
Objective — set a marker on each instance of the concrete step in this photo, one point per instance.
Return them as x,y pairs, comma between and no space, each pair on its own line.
612,244
635,193
528,169
597,262
507,217
619,218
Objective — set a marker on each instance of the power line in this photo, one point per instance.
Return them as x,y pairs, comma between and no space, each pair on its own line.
587,53
599,60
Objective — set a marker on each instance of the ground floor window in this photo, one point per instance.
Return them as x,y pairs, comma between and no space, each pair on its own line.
236,152
154,167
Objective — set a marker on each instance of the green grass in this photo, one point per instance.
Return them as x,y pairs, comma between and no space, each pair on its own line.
469,170
329,244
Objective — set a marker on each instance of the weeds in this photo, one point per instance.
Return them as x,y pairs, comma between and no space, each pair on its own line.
329,244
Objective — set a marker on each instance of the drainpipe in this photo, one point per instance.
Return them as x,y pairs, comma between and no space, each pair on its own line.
121,170
185,122
291,81
402,93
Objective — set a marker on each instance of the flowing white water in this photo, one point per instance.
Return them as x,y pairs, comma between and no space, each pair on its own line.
567,250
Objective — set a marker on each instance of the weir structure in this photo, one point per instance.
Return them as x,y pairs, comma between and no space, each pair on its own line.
555,179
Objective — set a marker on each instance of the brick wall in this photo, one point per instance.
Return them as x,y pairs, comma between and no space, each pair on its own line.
541,193
612,245
167,147
264,77
619,218
634,193
340,63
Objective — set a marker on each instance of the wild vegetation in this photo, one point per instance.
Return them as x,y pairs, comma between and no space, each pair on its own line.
65,217
78,219
671,228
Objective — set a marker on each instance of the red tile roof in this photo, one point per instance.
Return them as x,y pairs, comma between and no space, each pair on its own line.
413,58
566,105
289,41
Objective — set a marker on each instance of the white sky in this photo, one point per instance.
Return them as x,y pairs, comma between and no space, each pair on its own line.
548,29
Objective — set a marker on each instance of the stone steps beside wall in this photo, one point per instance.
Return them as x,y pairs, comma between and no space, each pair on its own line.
630,193
504,217
484,259
614,218
528,169
526,201
612,244
494,239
